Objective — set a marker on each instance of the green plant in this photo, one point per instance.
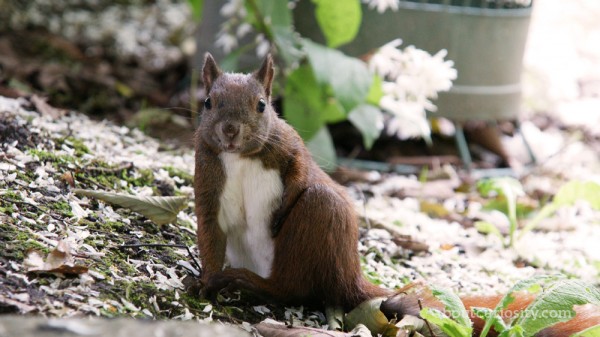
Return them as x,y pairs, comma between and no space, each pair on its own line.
459,325
554,303
509,189
323,85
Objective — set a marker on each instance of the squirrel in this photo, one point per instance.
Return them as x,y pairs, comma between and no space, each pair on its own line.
287,231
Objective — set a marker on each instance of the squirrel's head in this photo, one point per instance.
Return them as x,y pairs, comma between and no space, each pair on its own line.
237,114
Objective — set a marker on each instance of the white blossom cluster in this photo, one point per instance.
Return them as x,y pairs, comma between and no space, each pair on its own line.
156,35
236,28
382,5
411,78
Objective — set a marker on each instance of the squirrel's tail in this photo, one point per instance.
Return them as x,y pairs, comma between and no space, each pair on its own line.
410,299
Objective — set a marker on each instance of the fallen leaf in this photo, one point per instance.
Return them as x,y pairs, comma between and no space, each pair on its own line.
407,242
161,210
434,209
369,314
67,177
59,260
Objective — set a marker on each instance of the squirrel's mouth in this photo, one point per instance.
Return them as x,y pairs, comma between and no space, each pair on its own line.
231,147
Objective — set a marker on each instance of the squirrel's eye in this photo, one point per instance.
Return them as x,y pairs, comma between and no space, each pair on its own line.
207,103
261,105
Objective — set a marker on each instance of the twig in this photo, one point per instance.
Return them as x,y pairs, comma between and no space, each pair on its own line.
426,321
125,166
196,264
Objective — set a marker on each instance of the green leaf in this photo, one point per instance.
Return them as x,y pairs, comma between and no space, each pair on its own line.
303,102
515,331
347,76
488,314
501,185
556,305
511,189
339,20
488,228
531,285
453,305
369,121
277,13
197,6
567,195
288,44
448,326
573,191
375,91
590,332
545,212
322,150
333,111
369,314
161,210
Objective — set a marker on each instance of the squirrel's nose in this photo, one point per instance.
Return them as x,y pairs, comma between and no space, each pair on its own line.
230,130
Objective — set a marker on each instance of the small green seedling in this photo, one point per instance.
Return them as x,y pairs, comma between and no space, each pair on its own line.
510,189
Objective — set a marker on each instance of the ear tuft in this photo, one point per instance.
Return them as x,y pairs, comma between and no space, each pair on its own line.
210,72
264,75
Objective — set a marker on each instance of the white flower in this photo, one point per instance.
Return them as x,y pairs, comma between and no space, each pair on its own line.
263,46
382,5
243,30
232,8
411,78
227,42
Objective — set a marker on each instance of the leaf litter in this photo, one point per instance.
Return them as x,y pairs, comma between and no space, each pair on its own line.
404,238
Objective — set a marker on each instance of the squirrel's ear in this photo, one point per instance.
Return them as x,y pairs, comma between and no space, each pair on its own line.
264,75
210,71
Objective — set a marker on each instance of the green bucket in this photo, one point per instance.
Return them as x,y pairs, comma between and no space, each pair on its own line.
486,45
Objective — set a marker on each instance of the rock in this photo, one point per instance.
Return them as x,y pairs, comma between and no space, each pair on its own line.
29,326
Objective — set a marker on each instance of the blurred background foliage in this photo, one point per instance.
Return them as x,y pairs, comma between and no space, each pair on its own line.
136,62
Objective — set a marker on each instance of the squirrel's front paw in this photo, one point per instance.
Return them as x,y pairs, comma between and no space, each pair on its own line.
217,282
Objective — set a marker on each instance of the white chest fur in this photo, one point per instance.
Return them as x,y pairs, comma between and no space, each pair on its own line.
250,195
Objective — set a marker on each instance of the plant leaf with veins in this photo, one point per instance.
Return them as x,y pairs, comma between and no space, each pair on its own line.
161,210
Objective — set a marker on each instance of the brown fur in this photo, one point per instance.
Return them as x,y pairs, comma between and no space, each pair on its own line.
315,227
316,257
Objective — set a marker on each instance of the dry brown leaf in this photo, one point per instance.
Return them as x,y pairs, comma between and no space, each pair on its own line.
59,260
68,178
407,242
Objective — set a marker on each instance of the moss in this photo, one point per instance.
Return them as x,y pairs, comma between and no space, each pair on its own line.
12,195
78,145
194,302
17,242
26,175
46,156
74,143
145,177
62,207
6,208
188,179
